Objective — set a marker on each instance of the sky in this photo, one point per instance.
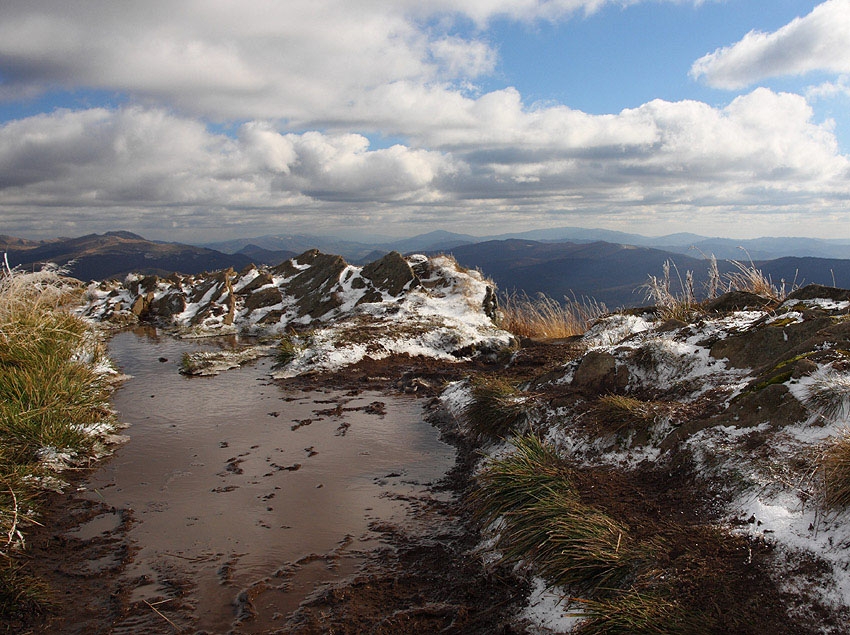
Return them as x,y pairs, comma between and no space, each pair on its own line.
206,120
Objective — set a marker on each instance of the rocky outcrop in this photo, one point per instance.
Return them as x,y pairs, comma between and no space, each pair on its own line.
386,299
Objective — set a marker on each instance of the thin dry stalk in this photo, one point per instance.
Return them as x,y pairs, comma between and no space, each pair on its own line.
671,304
752,279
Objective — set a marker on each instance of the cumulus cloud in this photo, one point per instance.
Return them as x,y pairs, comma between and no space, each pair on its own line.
300,76
818,41
300,60
763,152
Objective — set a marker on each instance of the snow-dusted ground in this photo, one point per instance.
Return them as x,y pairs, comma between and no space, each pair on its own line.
770,490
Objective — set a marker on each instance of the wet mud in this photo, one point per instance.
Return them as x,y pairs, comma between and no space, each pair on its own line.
242,505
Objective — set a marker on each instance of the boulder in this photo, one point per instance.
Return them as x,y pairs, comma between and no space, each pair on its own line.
168,305
391,274
812,291
736,301
760,346
598,372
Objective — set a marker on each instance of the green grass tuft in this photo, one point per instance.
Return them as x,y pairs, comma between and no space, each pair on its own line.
545,524
618,413
50,398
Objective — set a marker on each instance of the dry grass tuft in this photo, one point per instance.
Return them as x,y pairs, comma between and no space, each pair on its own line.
617,413
544,317
497,407
641,614
835,471
672,304
828,394
752,279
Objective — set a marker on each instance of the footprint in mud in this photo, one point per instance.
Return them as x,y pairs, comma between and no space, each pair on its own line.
232,467
288,468
300,423
376,408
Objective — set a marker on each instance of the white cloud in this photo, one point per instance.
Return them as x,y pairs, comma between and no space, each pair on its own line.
370,65
817,41
297,60
826,90
761,153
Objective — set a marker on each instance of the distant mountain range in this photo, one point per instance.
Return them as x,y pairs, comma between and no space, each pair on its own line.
614,273
611,271
681,243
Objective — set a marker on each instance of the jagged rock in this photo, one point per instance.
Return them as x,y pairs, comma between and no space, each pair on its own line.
490,305
263,298
736,301
598,371
218,280
260,281
138,306
167,305
391,274
230,305
812,291
148,284
312,286
371,295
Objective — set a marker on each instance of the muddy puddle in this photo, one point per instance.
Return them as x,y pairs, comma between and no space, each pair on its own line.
247,497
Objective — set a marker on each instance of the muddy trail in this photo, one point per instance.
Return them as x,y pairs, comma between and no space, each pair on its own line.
240,505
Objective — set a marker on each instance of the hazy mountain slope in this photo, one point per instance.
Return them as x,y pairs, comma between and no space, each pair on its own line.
261,256
12,242
99,256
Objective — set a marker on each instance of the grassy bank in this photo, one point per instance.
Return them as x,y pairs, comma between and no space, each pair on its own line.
53,408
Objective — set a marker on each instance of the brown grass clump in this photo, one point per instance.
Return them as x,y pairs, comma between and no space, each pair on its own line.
752,279
835,471
641,614
616,413
544,317
497,407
